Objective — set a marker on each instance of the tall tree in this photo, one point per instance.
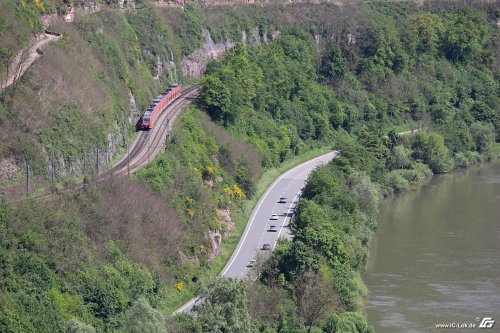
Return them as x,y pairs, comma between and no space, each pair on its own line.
430,148
75,326
224,307
143,318
315,298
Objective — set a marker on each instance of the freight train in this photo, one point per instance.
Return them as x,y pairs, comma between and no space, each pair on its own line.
158,104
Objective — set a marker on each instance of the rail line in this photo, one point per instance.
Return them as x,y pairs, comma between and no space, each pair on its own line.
147,144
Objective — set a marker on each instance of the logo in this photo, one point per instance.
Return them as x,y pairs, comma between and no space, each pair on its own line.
487,322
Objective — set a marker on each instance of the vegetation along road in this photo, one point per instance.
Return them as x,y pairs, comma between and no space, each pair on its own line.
269,221
258,230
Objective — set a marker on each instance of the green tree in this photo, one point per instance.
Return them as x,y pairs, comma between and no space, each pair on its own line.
427,29
224,307
400,157
430,148
457,136
141,317
483,112
395,180
75,326
365,191
334,65
216,98
483,135
347,322
349,286
315,298
463,37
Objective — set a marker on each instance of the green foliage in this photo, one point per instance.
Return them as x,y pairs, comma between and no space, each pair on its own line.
382,50
334,64
141,317
30,13
347,322
483,135
430,148
193,36
457,136
269,97
71,133
74,326
224,308
350,287
396,181
464,36
366,192
428,29
79,261
400,157
217,98
48,277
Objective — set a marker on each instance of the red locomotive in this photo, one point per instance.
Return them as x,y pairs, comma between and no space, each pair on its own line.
158,104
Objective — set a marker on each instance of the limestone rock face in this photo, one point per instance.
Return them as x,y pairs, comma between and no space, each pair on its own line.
195,64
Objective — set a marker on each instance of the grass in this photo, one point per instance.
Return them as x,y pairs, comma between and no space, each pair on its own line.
240,218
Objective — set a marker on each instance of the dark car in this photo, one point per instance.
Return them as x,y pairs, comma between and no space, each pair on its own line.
282,200
266,246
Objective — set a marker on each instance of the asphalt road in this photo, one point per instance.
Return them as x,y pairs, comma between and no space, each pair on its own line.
257,231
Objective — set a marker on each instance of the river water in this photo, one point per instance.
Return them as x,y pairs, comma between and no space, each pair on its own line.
435,257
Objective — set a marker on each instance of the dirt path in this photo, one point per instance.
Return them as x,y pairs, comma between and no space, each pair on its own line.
25,58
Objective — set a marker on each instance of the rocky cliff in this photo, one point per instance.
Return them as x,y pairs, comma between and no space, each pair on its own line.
195,64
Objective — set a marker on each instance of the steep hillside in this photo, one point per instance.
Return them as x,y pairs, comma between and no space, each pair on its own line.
115,256
86,89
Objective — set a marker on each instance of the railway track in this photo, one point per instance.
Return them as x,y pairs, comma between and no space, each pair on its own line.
147,145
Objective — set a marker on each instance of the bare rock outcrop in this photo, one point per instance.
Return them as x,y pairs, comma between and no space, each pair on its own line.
195,64
8,168
217,235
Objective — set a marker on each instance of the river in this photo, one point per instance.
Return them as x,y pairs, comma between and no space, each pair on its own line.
435,257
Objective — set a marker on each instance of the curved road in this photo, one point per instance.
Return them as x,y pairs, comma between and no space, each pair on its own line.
257,231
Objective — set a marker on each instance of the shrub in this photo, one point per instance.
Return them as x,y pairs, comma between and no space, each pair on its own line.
395,180
483,135
461,160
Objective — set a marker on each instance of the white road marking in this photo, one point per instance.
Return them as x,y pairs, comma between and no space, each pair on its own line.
284,222
248,227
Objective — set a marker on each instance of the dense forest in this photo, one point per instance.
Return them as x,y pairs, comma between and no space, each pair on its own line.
118,256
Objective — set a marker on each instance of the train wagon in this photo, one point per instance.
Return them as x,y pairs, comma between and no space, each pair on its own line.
157,106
